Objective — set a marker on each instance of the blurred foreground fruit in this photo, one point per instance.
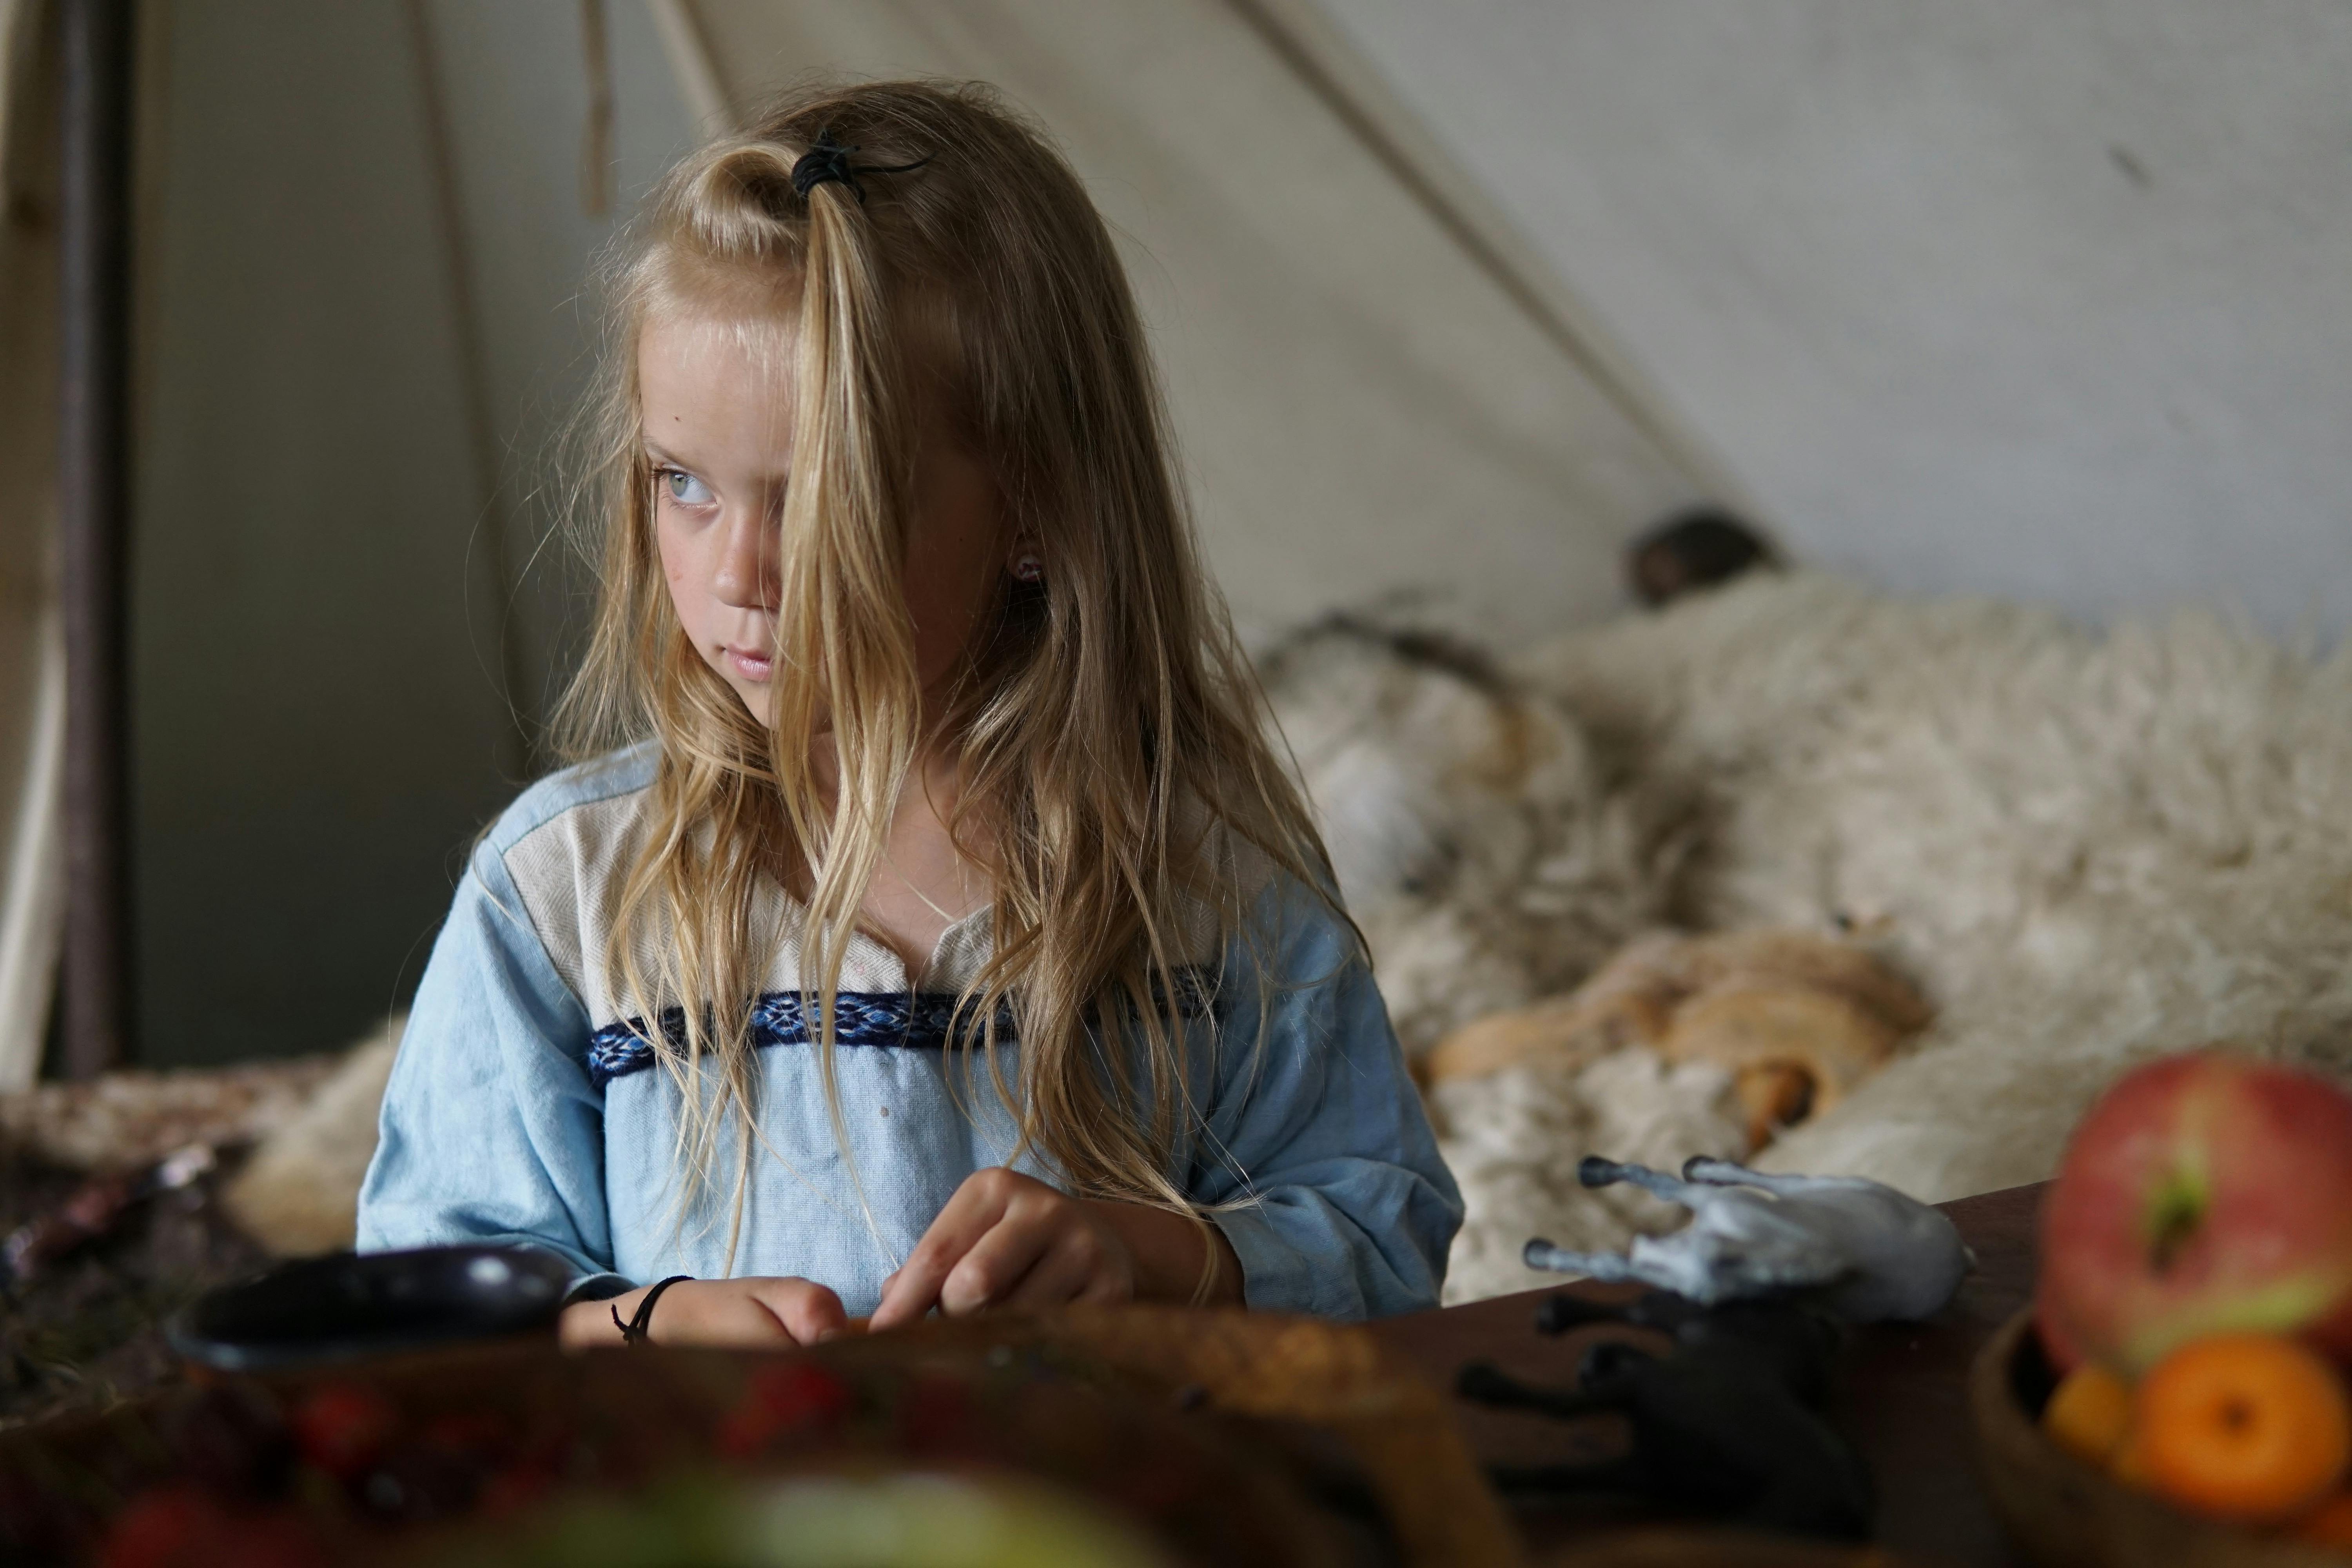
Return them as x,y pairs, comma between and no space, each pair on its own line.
2251,1428
2329,1524
2090,1414
341,1427
183,1526
2129,1464
2203,1194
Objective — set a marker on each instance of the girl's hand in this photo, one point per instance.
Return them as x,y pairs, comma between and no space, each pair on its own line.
1009,1240
730,1314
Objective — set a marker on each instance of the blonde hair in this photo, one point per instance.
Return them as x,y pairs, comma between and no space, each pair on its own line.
1109,729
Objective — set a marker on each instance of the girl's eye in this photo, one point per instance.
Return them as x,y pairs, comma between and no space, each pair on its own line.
685,489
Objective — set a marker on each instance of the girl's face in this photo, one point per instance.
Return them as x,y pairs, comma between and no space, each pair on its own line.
718,436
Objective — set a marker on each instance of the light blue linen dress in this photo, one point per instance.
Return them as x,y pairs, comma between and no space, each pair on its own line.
524,1109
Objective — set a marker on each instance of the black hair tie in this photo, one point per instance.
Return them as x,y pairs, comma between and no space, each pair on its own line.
826,163
639,1327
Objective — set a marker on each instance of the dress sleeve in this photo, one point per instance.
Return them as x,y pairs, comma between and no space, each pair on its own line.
1315,1146
491,1132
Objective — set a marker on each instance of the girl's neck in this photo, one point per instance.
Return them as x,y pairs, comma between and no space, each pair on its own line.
926,881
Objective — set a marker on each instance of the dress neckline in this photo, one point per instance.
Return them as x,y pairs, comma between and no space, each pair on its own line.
951,963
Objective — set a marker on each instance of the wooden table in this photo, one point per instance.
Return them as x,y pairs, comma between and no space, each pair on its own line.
1903,1398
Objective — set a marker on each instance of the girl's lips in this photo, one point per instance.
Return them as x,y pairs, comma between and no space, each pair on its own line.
749,665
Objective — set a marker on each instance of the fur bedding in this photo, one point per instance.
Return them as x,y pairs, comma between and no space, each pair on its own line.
2086,848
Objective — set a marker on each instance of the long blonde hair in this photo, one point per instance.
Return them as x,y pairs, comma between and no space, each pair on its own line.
1107,727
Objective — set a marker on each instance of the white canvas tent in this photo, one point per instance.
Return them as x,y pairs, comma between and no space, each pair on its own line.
2042,301
2037,299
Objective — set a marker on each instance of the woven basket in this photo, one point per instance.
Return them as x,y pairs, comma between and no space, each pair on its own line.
2068,1513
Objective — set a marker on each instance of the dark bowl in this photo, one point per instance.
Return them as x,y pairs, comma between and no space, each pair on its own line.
365,1304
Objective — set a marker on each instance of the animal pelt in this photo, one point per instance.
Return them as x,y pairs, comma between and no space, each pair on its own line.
300,1192
2090,847
2087,848
1472,838
308,1123
1798,1019
125,1120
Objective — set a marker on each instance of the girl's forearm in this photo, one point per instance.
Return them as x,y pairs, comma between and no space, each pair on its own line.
746,1312
1171,1253
586,1323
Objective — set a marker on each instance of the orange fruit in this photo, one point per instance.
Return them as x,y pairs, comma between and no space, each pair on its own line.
2244,1426
2129,1464
2089,1414
2329,1524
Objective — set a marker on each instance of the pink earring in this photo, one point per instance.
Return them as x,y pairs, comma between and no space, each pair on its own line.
1028,569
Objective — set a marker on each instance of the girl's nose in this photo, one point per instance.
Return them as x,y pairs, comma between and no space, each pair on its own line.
745,578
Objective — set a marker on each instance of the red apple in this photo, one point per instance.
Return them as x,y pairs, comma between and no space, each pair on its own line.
2203,1193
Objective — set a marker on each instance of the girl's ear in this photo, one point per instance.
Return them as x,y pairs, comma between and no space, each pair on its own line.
1024,563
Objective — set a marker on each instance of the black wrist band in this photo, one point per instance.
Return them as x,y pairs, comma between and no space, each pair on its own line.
638,1329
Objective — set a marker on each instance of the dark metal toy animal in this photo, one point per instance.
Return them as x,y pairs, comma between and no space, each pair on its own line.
1721,1427
1789,1344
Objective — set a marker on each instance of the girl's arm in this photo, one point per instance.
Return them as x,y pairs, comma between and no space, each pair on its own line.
726,1313
491,1129
1177,1258
1316,1148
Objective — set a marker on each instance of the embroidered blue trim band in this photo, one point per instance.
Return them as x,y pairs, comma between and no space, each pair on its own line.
907,1021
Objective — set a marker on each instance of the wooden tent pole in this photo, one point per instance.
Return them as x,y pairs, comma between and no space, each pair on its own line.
93,493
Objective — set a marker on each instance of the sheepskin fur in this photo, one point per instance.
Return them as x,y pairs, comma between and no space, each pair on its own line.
2089,849
1465,819
123,1121
299,1193
1477,846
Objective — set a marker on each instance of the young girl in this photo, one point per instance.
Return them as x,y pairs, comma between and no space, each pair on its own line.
931,927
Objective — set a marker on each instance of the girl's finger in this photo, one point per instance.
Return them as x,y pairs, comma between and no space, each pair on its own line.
1108,1289
718,1312
750,1321
1068,1267
996,1265
914,1289
905,1300
810,1313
